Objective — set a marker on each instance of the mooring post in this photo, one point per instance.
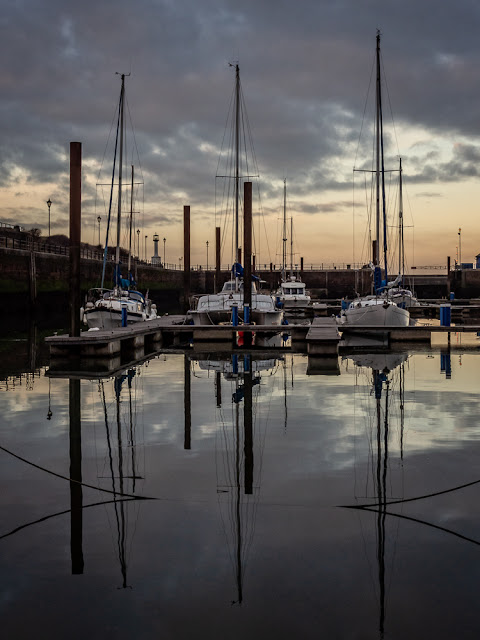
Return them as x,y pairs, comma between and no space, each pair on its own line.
186,257
247,248
217,260
75,234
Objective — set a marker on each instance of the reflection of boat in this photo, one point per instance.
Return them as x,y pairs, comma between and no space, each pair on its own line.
239,444
122,459
291,292
386,390
379,309
122,305
217,308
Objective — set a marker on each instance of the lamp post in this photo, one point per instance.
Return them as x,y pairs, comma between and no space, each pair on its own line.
99,219
164,240
49,204
207,254
138,243
146,248
460,247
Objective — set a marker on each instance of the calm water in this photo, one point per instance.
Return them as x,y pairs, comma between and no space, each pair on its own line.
249,530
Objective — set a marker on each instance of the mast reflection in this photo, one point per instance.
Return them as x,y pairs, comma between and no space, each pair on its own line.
238,451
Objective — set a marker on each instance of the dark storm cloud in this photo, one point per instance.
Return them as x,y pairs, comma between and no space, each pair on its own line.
305,70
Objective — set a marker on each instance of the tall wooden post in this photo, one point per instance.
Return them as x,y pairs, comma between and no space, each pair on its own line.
247,248
217,259
75,234
186,257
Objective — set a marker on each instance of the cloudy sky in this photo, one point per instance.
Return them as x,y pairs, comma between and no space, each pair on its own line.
306,68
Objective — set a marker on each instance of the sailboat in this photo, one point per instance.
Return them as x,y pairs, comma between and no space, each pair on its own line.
291,292
402,296
122,305
378,309
217,308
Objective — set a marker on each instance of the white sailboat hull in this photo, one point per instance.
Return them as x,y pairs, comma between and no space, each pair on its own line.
107,314
375,314
217,309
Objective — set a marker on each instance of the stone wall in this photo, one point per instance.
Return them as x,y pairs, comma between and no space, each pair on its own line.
52,275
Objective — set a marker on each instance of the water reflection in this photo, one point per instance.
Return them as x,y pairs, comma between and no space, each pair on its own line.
237,449
247,459
384,406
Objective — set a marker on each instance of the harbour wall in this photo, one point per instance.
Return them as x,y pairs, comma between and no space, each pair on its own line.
35,273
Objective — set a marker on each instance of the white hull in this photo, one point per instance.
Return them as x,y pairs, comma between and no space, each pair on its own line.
106,313
217,309
111,318
376,315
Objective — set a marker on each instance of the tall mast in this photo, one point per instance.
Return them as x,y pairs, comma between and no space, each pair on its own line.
130,227
291,246
237,154
119,215
380,169
401,248
284,243
377,158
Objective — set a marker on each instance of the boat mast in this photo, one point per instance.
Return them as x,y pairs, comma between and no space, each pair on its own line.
119,214
376,257
291,246
237,162
401,248
284,244
380,168
130,227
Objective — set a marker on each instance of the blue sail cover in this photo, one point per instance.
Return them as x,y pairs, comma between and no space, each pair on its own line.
237,270
377,279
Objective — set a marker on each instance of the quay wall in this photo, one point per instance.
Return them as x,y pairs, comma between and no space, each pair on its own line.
36,273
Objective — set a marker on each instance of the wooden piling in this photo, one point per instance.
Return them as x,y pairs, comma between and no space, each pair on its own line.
75,234
186,257
217,259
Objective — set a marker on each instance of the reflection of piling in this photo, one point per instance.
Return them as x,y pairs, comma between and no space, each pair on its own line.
186,257
248,432
188,404
75,234
76,497
218,388
217,259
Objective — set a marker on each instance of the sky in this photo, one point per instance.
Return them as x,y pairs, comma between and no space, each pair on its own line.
306,68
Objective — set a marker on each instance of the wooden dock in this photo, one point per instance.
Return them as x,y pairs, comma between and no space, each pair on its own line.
323,337
320,338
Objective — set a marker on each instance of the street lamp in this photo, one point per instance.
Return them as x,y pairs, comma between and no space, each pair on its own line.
460,247
164,240
138,243
99,219
146,248
49,204
207,254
